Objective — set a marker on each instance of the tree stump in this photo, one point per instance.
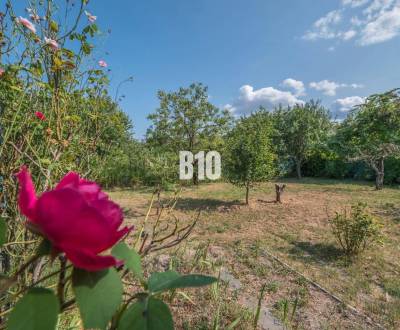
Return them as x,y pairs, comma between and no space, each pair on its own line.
279,188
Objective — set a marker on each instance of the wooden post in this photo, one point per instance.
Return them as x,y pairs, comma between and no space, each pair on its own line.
279,188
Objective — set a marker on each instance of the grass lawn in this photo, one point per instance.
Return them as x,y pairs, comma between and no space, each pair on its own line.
242,239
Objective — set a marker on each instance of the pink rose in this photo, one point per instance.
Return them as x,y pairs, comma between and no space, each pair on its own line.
40,115
51,43
27,23
35,17
103,64
90,17
2,71
76,217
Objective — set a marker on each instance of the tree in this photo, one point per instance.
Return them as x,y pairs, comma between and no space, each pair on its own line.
371,132
186,120
249,155
300,129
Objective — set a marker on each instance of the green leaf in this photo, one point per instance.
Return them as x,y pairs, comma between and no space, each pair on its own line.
54,26
44,248
37,310
5,283
160,281
3,231
172,280
98,294
147,314
130,257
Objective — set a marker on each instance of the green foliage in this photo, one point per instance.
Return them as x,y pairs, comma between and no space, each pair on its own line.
44,248
371,133
82,128
131,259
249,156
259,305
357,230
392,170
287,309
147,314
3,231
160,167
186,120
170,280
37,310
98,295
300,130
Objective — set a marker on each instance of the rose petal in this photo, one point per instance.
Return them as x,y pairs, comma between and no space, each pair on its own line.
110,210
86,260
27,196
91,190
66,218
71,179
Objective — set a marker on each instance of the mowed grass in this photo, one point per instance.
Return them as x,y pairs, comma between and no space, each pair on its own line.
298,233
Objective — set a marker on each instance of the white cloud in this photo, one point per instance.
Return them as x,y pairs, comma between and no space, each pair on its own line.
323,28
356,22
348,35
384,27
378,21
378,7
325,86
354,85
296,85
343,106
329,87
348,103
354,3
268,97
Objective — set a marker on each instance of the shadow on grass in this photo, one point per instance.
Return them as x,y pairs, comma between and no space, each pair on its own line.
131,213
272,201
191,204
318,252
391,210
341,184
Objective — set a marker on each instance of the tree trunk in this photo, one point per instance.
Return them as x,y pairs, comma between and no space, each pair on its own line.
380,174
279,188
158,199
247,193
195,172
298,169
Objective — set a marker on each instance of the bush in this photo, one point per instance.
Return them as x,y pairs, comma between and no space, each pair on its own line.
357,230
392,170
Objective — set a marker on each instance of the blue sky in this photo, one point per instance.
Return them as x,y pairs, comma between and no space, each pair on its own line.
250,53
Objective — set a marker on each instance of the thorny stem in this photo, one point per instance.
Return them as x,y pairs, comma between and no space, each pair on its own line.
145,220
62,280
14,278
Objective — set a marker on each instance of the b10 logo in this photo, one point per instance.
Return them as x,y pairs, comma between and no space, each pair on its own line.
207,167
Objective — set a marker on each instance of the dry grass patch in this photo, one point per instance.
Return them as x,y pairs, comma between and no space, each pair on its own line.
298,233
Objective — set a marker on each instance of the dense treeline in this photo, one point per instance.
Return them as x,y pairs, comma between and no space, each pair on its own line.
303,140
56,114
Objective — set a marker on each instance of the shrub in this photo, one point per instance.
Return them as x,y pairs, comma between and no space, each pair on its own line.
356,230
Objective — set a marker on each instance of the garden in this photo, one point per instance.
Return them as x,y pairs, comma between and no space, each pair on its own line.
97,231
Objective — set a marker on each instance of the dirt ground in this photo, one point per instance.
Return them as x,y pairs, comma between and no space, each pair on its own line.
287,247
